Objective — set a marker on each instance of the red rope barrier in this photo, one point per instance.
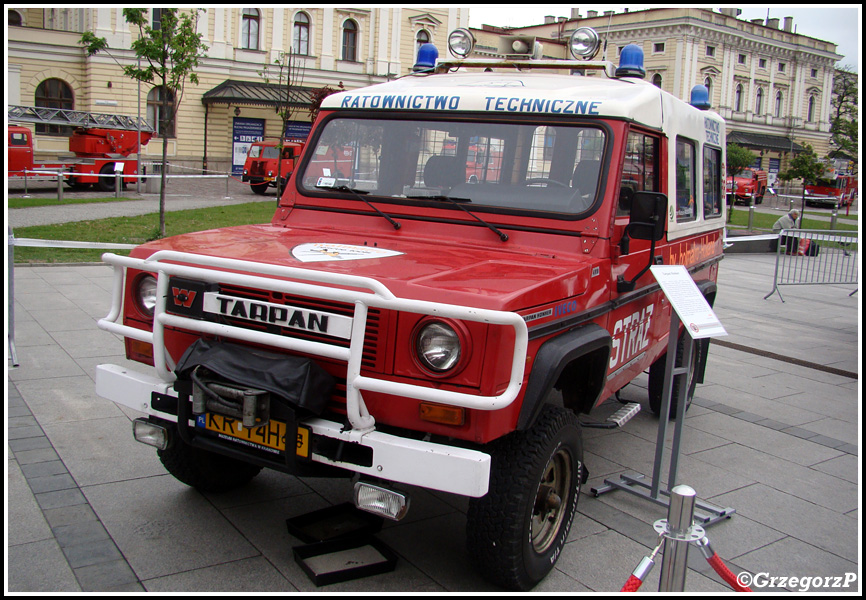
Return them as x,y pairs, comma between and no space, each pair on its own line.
632,585
726,574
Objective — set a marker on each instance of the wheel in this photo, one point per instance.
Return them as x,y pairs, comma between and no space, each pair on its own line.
203,470
515,533
106,184
76,185
259,188
657,378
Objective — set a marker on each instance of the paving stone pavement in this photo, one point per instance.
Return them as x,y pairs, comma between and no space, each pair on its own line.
774,433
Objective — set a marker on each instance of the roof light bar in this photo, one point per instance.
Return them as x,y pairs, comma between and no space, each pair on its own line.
583,43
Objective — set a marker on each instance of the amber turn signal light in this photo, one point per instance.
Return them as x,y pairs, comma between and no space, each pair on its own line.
445,415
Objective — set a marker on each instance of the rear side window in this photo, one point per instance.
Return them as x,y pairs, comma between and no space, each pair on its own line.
685,180
713,193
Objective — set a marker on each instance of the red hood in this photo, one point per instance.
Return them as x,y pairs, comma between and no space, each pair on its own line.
448,271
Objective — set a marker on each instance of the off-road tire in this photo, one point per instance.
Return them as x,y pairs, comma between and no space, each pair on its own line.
657,379
531,472
205,471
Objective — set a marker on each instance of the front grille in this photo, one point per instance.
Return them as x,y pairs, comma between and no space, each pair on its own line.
372,358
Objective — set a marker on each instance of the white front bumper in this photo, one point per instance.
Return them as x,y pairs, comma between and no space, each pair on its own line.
434,466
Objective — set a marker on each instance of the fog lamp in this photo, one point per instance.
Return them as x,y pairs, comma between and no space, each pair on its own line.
149,433
381,501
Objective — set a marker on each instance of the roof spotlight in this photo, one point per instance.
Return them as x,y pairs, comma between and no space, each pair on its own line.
461,42
583,43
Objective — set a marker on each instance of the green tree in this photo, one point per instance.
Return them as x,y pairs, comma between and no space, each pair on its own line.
844,122
738,159
805,166
288,70
168,53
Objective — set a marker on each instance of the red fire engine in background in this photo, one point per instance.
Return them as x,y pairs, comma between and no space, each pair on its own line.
98,143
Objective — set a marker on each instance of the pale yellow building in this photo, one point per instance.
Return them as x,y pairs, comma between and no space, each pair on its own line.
46,66
772,86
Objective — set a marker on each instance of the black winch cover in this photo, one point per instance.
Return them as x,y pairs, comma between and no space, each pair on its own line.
297,380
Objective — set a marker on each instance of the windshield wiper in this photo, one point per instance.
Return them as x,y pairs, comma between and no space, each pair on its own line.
457,202
357,194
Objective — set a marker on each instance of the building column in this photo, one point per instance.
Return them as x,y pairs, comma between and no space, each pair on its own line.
328,60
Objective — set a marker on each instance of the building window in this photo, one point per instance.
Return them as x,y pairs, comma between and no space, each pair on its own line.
708,83
15,18
781,67
814,73
156,17
350,41
657,80
759,102
738,99
741,59
762,63
421,38
301,41
155,111
711,50
811,114
54,93
659,47
778,111
250,29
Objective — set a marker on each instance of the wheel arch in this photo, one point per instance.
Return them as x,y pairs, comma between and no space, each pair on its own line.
577,357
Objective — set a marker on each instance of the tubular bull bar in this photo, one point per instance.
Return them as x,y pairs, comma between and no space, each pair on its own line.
116,383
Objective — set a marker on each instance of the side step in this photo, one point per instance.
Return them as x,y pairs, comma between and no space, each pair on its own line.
617,419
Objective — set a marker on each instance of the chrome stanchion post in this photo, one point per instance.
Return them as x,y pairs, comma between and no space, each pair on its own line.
60,186
10,283
679,532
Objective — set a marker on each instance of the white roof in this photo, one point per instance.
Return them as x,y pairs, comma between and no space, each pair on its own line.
515,93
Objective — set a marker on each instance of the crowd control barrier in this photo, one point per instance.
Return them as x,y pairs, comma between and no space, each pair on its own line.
676,533
815,257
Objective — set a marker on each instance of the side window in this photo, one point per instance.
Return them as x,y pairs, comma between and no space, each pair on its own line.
712,182
685,192
17,139
639,169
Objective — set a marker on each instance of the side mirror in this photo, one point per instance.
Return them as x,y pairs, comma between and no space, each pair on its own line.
646,222
646,218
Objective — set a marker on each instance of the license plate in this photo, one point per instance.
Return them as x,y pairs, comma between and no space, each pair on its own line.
270,437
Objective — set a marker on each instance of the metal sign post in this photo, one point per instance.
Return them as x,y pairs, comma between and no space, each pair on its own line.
691,308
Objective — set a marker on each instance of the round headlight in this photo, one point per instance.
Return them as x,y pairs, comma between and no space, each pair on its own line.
146,294
461,42
583,43
437,346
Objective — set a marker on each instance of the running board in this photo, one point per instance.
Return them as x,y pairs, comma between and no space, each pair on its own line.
617,419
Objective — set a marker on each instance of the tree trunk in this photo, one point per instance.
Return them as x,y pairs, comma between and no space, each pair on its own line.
166,119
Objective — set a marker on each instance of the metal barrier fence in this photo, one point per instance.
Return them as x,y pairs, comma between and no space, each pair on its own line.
816,257
12,241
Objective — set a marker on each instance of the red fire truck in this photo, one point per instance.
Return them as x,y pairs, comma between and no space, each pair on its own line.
840,191
261,167
398,323
748,185
98,143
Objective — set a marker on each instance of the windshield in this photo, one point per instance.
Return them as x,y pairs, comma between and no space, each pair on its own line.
516,166
745,174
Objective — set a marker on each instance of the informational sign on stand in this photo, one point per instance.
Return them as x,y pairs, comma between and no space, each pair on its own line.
692,310
688,301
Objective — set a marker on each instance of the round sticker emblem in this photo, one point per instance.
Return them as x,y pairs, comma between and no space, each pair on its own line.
320,252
